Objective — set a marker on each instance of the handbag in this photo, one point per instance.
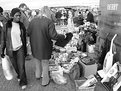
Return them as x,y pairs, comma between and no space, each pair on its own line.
7,68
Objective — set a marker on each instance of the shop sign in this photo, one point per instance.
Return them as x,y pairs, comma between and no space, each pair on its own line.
112,6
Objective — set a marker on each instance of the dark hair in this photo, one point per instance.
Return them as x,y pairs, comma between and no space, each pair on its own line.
1,9
86,10
22,5
14,11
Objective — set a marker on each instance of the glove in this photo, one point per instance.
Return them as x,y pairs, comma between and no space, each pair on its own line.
2,55
69,34
65,41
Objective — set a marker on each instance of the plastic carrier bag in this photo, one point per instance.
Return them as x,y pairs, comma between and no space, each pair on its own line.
7,68
58,77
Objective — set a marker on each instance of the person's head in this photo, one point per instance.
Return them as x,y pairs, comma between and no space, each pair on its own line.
45,10
1,10
23,6
70,14
15,14
33,13
6,14
86,11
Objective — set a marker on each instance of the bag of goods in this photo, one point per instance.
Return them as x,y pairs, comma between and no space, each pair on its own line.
7,68
58,77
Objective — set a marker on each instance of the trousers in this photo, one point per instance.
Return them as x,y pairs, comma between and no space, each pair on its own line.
18,62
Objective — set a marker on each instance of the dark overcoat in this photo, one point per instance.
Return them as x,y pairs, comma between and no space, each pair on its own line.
41,31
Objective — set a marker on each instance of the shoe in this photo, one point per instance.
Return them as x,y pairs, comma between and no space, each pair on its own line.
23,87
37,78
28,57
46,84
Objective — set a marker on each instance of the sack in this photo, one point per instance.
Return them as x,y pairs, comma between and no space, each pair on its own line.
7,68
58,77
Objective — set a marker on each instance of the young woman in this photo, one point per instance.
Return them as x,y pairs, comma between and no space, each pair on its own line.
14,40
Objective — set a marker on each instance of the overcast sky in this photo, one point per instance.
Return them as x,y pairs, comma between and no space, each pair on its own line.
36,4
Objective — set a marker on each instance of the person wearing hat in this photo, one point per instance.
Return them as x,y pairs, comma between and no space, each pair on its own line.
14,40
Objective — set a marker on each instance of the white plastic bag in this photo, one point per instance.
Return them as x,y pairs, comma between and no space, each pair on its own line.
112,72
58,77
7,68
108,61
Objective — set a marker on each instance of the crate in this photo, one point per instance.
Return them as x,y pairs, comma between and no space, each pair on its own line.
79,83
88,69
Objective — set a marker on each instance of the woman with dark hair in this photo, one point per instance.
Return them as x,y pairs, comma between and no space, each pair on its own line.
14,40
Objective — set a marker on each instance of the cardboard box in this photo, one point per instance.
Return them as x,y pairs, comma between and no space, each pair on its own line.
88,69
79,83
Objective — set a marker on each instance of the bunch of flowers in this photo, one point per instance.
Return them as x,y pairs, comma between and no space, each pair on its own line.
89,32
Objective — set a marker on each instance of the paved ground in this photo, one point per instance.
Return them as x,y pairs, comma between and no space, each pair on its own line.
33,85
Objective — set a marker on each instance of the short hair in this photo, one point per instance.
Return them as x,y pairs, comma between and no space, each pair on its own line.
45,10
1,9
22,5
14,11
86,10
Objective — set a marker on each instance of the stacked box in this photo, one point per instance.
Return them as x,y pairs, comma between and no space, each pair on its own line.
88,69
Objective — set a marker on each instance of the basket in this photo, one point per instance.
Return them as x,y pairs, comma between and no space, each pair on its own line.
79,83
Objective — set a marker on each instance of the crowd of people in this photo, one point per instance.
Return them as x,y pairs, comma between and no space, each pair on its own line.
21,27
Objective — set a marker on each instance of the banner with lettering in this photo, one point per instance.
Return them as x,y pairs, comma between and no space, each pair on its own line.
110,19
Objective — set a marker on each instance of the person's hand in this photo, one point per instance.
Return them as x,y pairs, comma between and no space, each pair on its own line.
2,55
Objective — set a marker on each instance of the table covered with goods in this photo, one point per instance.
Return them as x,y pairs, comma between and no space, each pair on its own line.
77,58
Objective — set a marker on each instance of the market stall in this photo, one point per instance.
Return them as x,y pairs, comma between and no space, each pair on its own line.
70,59
79,59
